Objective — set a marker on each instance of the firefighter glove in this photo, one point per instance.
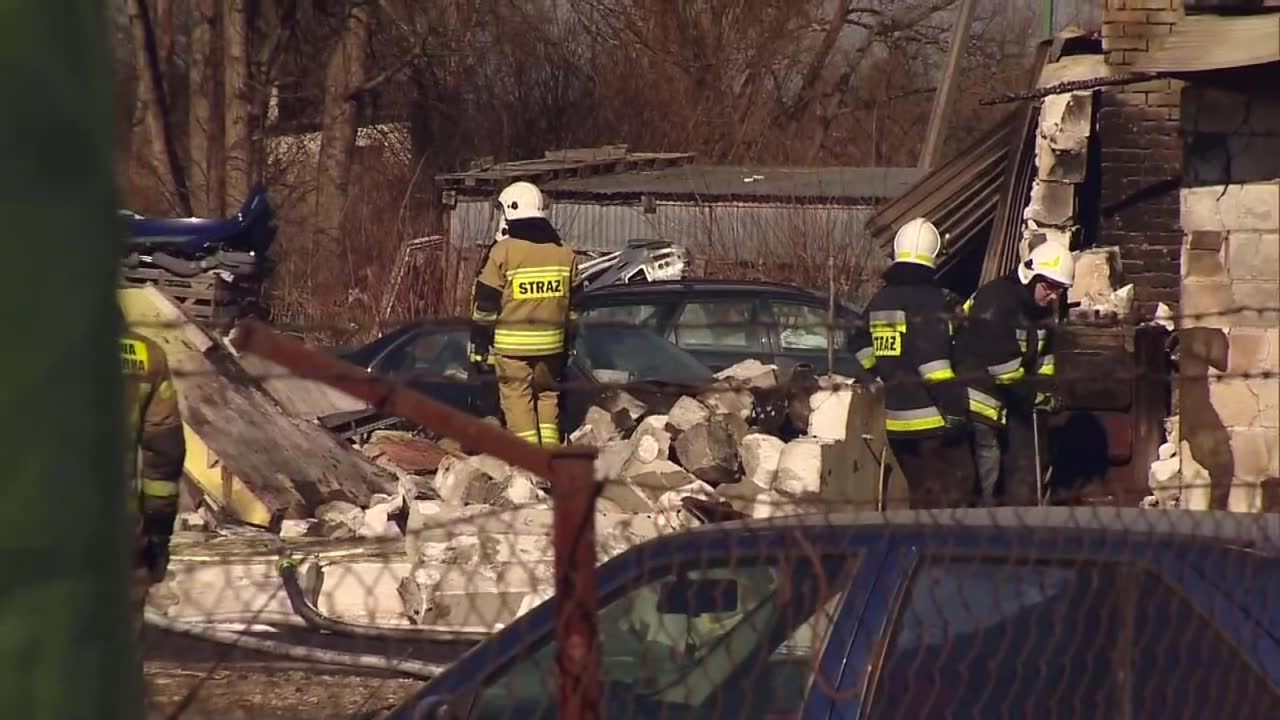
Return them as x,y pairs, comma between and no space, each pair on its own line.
1048,402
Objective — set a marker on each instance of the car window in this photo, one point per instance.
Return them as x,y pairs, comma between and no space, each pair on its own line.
753,661
803,327
720,324
985,639
646,315
432,353
622,354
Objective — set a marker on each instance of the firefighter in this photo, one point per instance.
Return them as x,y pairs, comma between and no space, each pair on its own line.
522,320
907,344
154,453
1004,352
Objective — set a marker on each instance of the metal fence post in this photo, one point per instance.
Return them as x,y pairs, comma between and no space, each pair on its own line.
578,653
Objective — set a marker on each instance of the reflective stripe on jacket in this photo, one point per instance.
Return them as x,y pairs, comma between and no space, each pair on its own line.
1005,345
524,293
907,343
155,447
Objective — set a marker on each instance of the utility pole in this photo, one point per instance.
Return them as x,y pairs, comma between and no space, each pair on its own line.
65,648
932,151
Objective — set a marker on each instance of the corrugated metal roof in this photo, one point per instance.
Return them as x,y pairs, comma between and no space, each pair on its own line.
788,184
724,230
1215,42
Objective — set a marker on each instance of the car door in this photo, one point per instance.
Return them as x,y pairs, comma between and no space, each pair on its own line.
722,331
434,362
1074,629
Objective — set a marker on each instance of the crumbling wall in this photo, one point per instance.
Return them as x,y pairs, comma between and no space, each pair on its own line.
1141,155
1231,296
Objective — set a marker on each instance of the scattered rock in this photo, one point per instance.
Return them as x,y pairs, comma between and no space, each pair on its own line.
625,410
800,467
454,477
611,458
709,452
651,441
404,450
687,413
377,521
760,457
750,373
297,528
656,477
1167,450
598,428
734,402
339,519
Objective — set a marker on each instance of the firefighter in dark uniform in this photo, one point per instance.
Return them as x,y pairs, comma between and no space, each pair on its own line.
522,316
1004,352
908,345
154,453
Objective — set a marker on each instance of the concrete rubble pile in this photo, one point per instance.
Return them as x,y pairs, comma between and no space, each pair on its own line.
477,532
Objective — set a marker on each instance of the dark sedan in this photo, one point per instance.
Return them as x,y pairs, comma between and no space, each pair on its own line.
432,357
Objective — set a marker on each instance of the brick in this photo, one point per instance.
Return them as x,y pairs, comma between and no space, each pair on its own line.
1166,17
1254,206
1203,265
1137,17
1204,302
1254,350
1166,277
1254,256
1164,99
1256,451
1206,240
1125,42
1149,86
1262,300
1150,4
1110,30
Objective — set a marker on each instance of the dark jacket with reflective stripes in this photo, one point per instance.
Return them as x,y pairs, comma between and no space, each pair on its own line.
153,431
1004,350
908,345
521,303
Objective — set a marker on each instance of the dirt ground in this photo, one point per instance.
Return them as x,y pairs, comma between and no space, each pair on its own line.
263,694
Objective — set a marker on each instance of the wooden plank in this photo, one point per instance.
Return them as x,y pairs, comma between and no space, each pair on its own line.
302,398
290,465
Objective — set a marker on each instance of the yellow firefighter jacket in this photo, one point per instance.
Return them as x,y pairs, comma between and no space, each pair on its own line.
524,294
153,429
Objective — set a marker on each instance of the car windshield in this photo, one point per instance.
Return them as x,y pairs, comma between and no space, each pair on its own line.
621,353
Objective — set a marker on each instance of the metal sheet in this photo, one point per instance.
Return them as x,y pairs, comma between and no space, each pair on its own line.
743,230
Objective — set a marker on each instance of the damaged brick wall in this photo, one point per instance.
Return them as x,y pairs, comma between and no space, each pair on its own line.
1231,259
1141,148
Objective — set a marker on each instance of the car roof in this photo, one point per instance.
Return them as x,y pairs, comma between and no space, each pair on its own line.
702,285
1258,531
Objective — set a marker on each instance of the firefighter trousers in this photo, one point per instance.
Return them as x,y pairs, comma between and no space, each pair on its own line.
529,398
1006,461
939,471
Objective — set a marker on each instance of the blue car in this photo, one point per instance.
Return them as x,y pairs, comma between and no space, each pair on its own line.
1009,613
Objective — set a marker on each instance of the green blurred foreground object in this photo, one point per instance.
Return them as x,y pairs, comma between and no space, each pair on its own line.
64,645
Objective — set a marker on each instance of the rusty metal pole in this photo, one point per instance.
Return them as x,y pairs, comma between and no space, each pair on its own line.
571,471
573,536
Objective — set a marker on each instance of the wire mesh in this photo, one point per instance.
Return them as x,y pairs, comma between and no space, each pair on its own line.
820,603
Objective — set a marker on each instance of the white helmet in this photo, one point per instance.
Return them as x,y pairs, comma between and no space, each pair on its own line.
521,200
503,231
1051,261
918,242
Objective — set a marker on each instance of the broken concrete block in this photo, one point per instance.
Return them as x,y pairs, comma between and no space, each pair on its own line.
296,528
651,440
1172,430
1052,203
1165,480
627,532
750,373
734,402
453,478
1167,450
709,451
605,506
611,458
1097,275
597,428
523,488
377,521
829,413
760,456
672,515
623,407
800,467
774,504
339,519
656,477
686,413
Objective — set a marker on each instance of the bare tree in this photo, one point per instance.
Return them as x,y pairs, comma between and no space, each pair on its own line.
236,101
204,134
163,158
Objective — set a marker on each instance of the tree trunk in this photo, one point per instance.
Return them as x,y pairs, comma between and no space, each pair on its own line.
204,133
237,99
162,156
345,72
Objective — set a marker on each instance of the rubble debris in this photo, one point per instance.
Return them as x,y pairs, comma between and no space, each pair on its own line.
750,374
710,450
623,407
656,477
339,519
597,429
651,441
611,458
800,466
735,402
760,457
687,413
404,450
297,528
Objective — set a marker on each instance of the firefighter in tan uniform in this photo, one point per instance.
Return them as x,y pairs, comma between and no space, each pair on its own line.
521,313
154,454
